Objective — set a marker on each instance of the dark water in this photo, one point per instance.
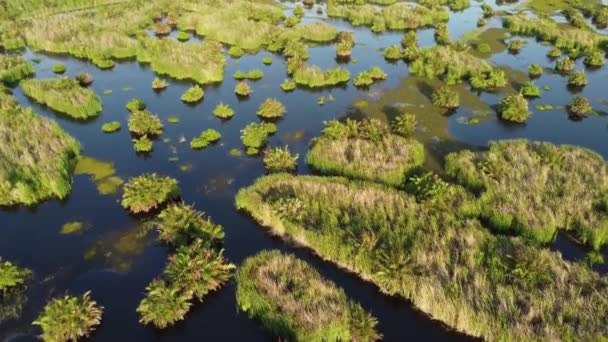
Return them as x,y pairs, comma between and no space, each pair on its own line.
123,263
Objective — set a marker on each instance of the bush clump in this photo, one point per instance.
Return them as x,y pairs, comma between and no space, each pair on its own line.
143,144
579,107
565,65
193,94
489,80
295,302
206,138
159,84
180,224
148,191
255,135
344,47
288,85
516,45
279,160
135,105
514,108
142,122
64,96
393,53
446,97
69,318
110,127
594,59
577,79
535,70
242,89
405,125
271,109
530,90
12,276
223,111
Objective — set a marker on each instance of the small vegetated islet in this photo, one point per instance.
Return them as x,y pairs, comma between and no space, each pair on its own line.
111,127
206,138
142,122
193,94
514,108
148,191
255,135
279,159
65,96
223,111
271,109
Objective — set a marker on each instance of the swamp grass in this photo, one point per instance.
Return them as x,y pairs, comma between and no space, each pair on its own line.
193,94
431,253
365,150
12,276
14,68
147,192
37,157
280,159
65,96
142,122
294,302
206,138
313,76
535,188
255,135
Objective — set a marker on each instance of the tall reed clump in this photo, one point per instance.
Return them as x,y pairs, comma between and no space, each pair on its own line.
365,150
242,89
64,96
519,182
346,42
38,162
147,192
255,135
432,253
294,302
223,111
69,318
14,68
514,108
280,159
271,109
142,122
314,77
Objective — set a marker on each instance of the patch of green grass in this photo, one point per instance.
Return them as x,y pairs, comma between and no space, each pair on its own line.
242,89
12,276
271,109
143,144
314,77
279,160
206,138
110,127
193,94
317,32
142,122
183,36
64,96
293,301
223,111
255,135
14,69
255,74
148,191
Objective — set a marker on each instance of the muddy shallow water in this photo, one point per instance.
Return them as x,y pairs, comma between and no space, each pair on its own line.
110,257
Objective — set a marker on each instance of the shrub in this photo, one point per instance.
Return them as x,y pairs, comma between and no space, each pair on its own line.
12,276
489,80
148,191
446,97
271,109
442,34
183,36
535,70
242,89
279,160
255,135
159,84
64,96
594,59
393,52
59,68
235,52
223,111
579,107
142,122
600,17
193,94
516,45
514,108
180,224
405,125
377,73
294,302
530,90
136,105
288,85
69,318
267,60
577,79
110,127
565,65
84,79
410,39
143,144
206,138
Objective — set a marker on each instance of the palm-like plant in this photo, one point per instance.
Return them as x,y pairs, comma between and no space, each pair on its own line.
180,223
163,305
11,275
148,191
405,124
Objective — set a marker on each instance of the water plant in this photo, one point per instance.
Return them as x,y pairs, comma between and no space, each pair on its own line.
223,111
38,162
59,68
579,107
148,191
535,70
594,59
363,79
577,79
64,96
206,138
183,36
393,52
69,318
14,69
271,109
135,105
293,301
288,85
515,45
442,34
163,305
315,77
530,90
235,52
12,276
255,74
143,144
159,84
142,122
193,94
267,60
489,80
345,44
242,89
446,97
180,224
279,159
404,124
514,108
255,135
110,127
564,65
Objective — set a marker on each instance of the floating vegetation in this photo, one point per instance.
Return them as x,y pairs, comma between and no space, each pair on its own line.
514,108
183,36
279,160
579,107
102,172
295,302
193,94
271,109
110,127
173,119
242,89
12,276
367,78
38,163
65,96
255,74
267,60
530,90
255,135
235,52
365,150
143,144
69,318
223,111
288,85
159,84
59,68
142,122
206,138
314,77
14,69
148,191
72,227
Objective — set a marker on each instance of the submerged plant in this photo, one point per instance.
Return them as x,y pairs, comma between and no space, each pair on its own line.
279,160
271,109
193,94
148,191
69,318
223,111
514,108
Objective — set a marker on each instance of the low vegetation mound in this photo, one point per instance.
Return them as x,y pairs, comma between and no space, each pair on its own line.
64,96
535,188
314,77
148,191
14,69
142,122
365,150
428,252
296,303
36,157
12,276
255,135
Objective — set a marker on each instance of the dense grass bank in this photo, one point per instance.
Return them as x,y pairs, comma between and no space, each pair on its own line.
450,267
365,150
294,302
36,157
534,189
64,96
14,68
314,77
